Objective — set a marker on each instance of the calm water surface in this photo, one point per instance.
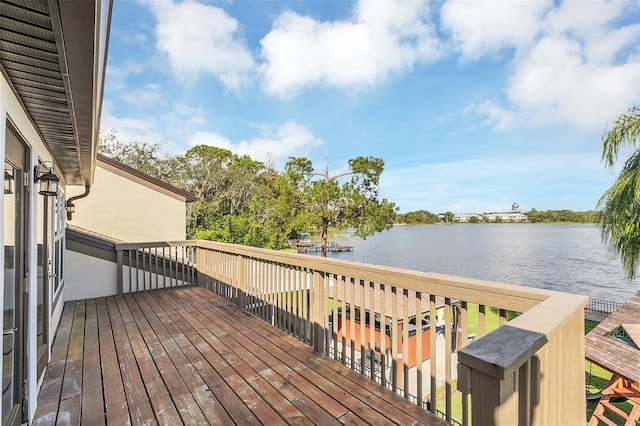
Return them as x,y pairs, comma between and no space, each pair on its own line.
568,258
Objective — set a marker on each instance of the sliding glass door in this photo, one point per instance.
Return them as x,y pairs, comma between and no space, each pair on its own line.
14,277
45,275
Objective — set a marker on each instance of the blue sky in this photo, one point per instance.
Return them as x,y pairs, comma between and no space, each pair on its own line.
473,105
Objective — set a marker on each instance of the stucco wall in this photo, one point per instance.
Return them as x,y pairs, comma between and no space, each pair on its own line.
127,208
87,277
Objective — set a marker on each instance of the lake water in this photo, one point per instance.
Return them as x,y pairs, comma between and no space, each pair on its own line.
568,258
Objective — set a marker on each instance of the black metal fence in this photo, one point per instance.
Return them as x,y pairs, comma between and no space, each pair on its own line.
598,310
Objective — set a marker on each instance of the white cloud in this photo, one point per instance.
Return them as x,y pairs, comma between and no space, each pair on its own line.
117,75
150,93
167,129
485,27
129,129
199,38
275,144
497,116
555,83
573,63
583,18
380,38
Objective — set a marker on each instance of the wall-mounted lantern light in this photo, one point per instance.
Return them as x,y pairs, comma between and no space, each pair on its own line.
9,180
48,180
71,209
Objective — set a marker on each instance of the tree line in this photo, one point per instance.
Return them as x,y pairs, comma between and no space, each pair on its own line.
425,217
244,201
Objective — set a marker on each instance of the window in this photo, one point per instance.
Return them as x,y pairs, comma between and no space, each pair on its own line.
58,242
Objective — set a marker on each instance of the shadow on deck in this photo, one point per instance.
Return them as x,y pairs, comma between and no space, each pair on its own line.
187,356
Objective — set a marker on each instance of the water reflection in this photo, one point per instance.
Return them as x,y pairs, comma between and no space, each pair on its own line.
567,258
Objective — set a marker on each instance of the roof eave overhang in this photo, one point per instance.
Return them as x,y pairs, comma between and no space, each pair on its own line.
82,32
54,53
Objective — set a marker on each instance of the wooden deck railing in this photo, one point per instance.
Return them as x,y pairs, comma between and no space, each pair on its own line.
429,337
149,266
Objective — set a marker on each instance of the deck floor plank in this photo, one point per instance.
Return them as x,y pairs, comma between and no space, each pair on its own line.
140,410
115,401
161,401
49,397
187,407
187,356
271,392
324,378
203,360
204,399
250,397
70,409
92,392
291,366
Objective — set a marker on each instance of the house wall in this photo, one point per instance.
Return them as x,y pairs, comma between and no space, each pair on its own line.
127,208
88,277
11,109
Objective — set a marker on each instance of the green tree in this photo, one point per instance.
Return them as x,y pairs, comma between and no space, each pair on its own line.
142,156
224,184
418,217
618,211
321,203
449,216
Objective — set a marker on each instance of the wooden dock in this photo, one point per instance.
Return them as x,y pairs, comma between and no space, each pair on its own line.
316,246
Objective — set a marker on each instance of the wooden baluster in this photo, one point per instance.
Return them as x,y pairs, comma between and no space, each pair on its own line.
396,344
343,320
363,317
433,352
155,264
317,311
405,343
447,357
372,330
120,272
463,341
352,322
241,276
325,312
334,316
383,334
419,356
306,294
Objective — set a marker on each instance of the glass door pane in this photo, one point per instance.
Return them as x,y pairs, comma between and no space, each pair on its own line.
44,271
12,275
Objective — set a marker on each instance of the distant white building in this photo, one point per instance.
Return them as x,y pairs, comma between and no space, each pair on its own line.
466,217
506,217
491,217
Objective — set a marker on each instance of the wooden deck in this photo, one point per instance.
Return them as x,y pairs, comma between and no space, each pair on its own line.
187,356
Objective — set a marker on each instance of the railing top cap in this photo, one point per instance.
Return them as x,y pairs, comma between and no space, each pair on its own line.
497,354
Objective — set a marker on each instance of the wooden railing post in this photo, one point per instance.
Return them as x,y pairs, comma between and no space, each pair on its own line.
317,310
489,367
241,282
531,370
120,272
